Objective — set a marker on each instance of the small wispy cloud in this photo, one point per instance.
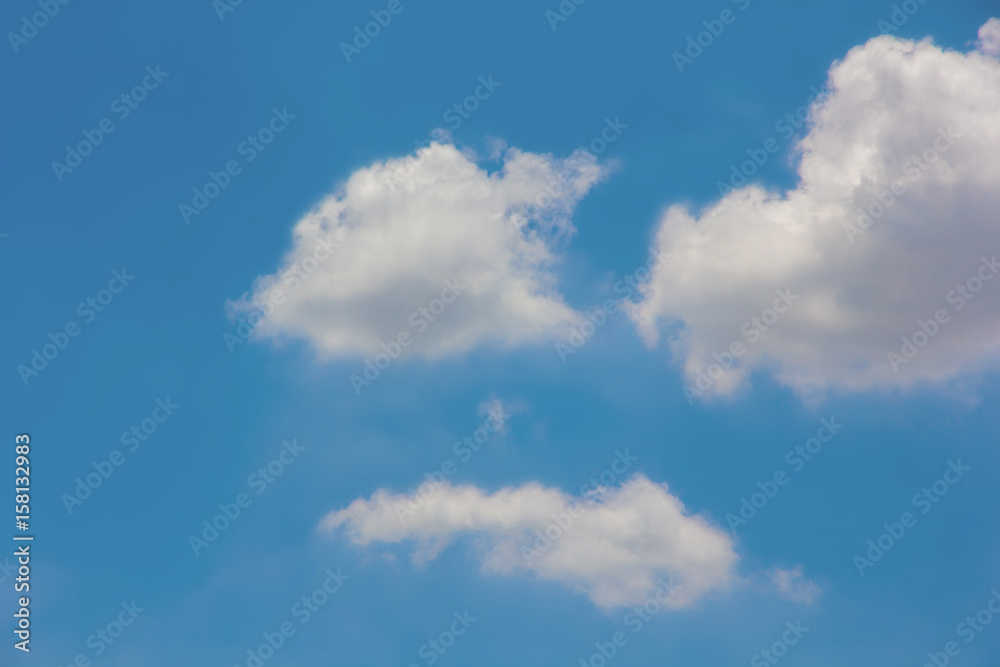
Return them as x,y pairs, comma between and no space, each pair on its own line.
794,585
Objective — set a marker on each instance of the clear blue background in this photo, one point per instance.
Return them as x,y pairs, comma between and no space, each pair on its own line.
163,337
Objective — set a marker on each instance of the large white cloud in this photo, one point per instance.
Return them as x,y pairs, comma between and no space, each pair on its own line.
433,231
904,122
616,544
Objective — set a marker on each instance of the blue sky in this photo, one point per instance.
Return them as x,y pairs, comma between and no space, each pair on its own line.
170,289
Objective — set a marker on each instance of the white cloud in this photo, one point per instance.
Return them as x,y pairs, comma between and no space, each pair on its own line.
615,545
793,585
859,291
498,412
989,37
390,242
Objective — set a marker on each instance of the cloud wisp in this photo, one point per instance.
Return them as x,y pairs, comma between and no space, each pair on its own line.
614,545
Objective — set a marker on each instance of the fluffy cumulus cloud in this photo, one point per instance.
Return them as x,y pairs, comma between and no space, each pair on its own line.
989,37
429,252
879,269
618,544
